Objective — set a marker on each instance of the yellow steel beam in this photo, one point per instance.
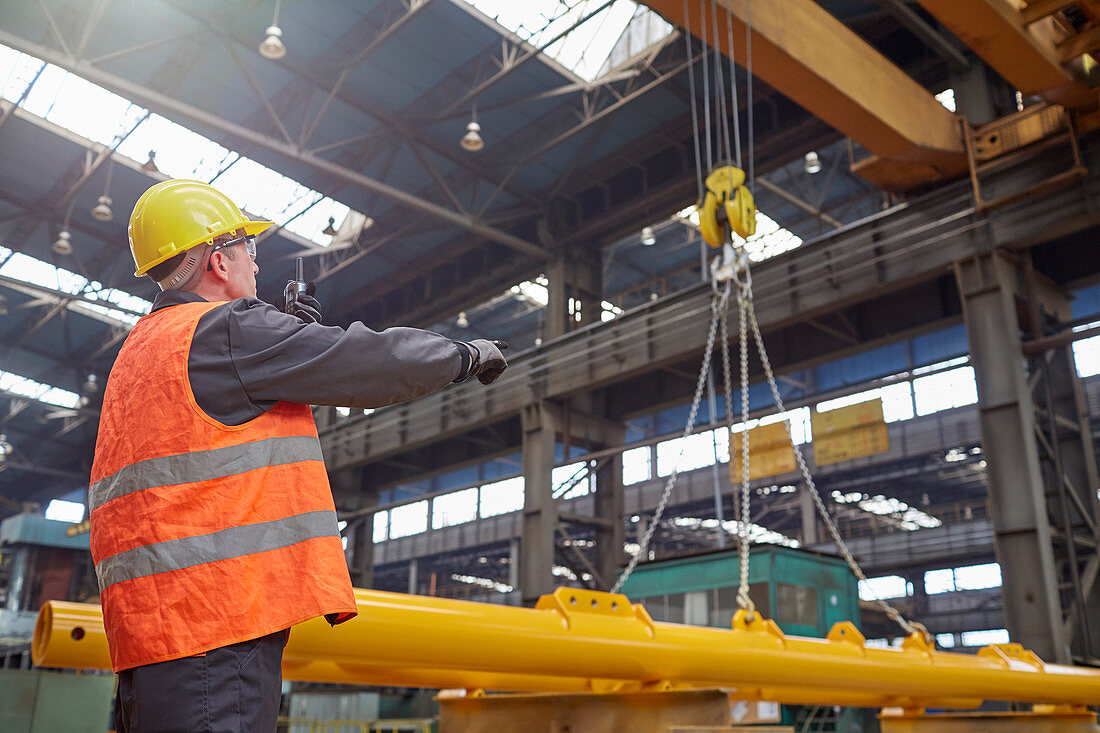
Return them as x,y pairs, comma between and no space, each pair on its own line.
1024,49
579,640
807,54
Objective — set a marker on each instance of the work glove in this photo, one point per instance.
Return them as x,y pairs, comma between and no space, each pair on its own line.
488,359
306,307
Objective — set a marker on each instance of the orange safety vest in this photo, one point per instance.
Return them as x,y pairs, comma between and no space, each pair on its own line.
204,534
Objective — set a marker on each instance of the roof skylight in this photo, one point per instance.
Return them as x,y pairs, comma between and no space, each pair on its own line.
64,99
586,49
33,271
24,387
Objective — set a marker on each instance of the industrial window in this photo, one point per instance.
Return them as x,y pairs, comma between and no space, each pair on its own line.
968,577
977,577
886,586
945,641
795,604
637,465
381,526
698,451
454,508
501,497
897,401
954,388
65,511
1086,354
981,638
408,519
576,477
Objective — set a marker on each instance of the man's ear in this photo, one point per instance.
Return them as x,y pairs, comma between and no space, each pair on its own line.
219,266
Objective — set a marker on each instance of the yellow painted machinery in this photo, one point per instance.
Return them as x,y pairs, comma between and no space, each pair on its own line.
578,640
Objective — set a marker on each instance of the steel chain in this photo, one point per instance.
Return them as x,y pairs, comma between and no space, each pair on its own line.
910,627
719,303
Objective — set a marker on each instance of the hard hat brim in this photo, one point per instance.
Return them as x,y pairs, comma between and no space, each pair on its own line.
251,228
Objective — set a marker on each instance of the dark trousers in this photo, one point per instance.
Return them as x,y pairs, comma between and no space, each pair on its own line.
233,689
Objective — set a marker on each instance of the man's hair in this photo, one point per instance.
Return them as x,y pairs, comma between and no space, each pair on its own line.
165,270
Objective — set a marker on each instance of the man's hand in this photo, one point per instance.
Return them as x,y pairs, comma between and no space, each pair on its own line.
306,307
488,359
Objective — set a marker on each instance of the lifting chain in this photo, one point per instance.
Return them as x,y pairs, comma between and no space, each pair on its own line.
725,208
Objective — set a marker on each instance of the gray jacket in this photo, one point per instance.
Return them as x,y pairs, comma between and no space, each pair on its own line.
247,355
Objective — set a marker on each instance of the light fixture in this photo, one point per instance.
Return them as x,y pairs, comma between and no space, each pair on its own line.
63,245
472,139
91,384
272,46
648,237
5,447
812,163
538,341
462,321
150,166
330,230
102,210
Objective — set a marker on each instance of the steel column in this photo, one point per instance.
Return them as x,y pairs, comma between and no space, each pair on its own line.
1022,532
1068,462
610,505
540,511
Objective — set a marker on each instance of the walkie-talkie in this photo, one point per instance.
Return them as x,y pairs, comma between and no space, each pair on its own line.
294,287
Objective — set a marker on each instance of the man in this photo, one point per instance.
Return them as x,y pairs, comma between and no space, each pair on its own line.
213,526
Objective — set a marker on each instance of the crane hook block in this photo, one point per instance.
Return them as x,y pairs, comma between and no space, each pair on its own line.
726,206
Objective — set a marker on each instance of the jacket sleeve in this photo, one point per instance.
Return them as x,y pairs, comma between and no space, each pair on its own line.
277,357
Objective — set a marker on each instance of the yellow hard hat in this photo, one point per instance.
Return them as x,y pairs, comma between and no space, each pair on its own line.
176,215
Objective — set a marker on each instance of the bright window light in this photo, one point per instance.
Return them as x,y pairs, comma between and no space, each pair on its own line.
947,99
982,638
454,508
943,391
939,581
534,292
770,238
609,311
64,99
886,586
501,497
23,387
897,401
65,511
977,577
945,641
636,465
902,515
698,451
1086,354
584,50
37,272
408,519
562,476
381,525
761,535
487,583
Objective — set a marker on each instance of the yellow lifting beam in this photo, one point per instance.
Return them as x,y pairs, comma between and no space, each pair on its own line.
582,640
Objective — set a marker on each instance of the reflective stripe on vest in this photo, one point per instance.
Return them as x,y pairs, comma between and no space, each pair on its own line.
204,466
163,557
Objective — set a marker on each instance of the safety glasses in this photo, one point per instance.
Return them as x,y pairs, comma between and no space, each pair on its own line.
249,245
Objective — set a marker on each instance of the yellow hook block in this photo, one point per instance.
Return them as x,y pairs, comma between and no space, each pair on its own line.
726,204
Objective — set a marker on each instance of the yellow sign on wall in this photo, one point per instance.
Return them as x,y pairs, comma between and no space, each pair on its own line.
770,452
849,432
